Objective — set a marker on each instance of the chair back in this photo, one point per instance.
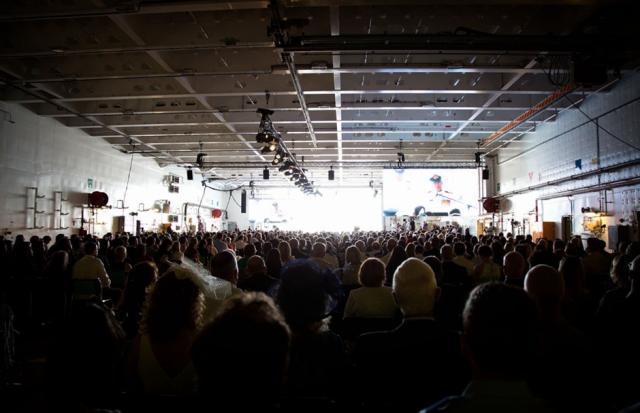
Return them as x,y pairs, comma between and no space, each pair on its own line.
86,289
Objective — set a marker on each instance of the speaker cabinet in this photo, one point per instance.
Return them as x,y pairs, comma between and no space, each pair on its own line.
189,175
265,174
332,174
243,202
485,174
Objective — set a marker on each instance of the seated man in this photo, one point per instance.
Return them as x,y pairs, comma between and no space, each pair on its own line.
513,268
419,361
257,278
318,255
90,267
498,340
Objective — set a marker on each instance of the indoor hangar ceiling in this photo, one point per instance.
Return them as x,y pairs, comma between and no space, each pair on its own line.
351,83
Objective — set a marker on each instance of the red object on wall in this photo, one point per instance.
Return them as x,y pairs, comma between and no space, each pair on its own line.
491,205
216,213
98,199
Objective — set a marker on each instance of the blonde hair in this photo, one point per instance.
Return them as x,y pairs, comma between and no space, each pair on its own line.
415,286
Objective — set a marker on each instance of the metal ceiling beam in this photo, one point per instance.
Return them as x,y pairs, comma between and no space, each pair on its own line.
184,82
293,122
137,49
71,111
488,103
204,133
136,7
283,70
290,93
57,114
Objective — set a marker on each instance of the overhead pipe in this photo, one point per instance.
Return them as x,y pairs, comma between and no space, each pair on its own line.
573,177
279,34
536,109
468,41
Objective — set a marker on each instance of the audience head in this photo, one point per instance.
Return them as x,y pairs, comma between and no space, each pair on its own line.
256,265
174,305
514,265
459,249
415,288
225,266
352,255
371,273
91,248
620,270
498,331
446,252
274,262
303,296
484,251
120,253
244,351
285,251
436,265
546,287
572,272
318,250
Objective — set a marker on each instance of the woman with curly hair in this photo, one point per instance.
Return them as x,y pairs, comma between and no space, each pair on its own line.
160,361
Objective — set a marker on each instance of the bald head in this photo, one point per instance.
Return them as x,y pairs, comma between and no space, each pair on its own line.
256,265
415,288
513,265
545,285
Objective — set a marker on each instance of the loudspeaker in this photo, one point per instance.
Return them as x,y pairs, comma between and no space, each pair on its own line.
265,174
331,175
189,175
477,157
243,202
485,174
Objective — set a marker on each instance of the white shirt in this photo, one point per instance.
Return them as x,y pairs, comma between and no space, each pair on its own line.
90,267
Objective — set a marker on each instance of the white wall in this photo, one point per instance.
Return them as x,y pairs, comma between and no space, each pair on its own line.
40,152
554,158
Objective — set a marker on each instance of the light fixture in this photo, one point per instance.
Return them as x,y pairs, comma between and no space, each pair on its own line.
283,158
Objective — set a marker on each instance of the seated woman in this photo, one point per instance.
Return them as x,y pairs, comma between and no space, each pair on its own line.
348,274
373,299
140,279
317,363
160,360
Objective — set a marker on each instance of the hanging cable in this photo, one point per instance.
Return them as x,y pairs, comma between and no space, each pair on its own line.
602,127
126,187
201,198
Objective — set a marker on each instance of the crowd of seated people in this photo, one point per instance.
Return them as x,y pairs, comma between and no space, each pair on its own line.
432,320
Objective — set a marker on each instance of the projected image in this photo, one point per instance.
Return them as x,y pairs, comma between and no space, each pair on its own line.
430,191
336,210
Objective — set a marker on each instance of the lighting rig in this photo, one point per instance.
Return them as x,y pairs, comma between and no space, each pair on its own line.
283,159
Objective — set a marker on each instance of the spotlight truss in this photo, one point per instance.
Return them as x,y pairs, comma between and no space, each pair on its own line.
286,162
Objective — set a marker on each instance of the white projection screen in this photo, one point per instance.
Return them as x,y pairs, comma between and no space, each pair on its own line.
454,191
